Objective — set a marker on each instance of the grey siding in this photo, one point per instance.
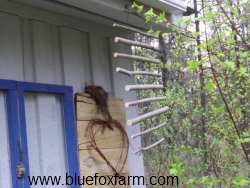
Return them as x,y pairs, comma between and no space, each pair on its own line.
37,51
45,47
5,173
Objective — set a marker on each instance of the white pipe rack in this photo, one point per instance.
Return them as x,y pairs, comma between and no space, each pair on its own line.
145,100
135,43
151,146
141,87
147,116
138,58
135,73
148,130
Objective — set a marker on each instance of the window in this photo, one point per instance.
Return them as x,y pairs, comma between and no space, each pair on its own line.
37,129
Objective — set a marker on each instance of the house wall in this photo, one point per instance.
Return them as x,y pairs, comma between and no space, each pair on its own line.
5,180
42,46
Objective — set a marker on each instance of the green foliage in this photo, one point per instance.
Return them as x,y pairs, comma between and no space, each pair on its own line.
137,8
205,154
161,18
176,169
230,65
241,181
193,65
210,86
150,15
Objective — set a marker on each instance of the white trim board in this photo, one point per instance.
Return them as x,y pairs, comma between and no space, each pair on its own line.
106,11
171,6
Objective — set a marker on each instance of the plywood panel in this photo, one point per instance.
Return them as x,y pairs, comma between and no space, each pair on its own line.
96,114
87,110
110,142
104,138
92,162
114,104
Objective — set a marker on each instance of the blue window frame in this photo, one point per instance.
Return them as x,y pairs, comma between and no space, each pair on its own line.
9,87
16,116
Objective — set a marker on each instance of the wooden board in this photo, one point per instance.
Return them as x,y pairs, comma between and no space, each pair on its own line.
91,162
110,142
106,139
87,110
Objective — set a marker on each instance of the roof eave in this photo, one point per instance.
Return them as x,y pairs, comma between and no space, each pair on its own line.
171,6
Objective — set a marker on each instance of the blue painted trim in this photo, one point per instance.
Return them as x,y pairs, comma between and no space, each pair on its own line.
69,120
12,114
13,133
16,105
71,136
44,88
23,131
11,100
7,84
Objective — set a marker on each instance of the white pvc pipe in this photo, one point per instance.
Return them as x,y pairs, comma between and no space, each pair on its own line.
145,100
143,86
135,43
147,116
138,58
151,146
134,73
148,130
